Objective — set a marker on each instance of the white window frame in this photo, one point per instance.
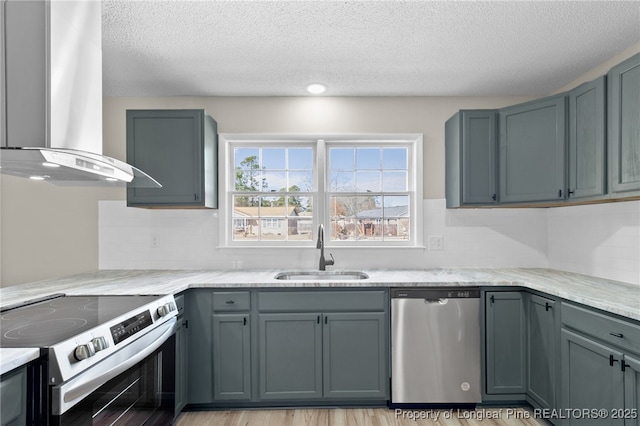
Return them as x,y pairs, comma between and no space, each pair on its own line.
319,195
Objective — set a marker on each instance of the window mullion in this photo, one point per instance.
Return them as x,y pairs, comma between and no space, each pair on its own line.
321,215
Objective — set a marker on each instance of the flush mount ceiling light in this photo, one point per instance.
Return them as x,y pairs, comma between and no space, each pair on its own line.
316,88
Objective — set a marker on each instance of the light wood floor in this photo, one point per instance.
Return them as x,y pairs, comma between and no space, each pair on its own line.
361,417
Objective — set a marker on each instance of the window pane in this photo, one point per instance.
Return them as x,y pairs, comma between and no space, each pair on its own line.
247,173
368,181
300,229
273,158
342,181
394,158
341,158
272,206
246,158
394,181
300,181
274,181
343,228
368,158
246,225
274,228
300,206
343,206
301,158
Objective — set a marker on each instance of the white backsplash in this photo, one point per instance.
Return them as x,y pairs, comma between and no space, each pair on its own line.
601,240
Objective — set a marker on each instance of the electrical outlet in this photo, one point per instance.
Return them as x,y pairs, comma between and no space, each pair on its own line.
155,241
436,242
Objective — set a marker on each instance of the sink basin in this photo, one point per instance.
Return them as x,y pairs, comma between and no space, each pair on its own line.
321,275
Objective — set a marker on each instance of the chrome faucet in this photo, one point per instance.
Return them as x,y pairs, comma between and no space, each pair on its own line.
323,262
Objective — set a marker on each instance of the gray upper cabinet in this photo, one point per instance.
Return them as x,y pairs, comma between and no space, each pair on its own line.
532,151
587,140
624,125
178,148
505,343
471,143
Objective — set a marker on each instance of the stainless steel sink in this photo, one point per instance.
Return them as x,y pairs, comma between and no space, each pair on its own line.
321,275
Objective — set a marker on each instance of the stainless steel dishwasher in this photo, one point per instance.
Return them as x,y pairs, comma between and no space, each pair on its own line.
435,345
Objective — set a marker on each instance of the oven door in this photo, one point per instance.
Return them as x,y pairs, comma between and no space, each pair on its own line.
135,385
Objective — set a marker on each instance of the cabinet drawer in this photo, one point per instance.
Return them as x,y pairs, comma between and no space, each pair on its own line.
624,334
231,301
321,301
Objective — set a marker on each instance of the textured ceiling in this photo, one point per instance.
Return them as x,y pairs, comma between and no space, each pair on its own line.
358,48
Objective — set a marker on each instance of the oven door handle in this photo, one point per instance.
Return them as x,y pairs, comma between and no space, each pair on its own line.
69,394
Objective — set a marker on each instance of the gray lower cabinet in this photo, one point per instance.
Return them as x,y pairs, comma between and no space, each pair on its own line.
13,398
590,378
600,366
290,356
505,343
541,350
471,151
354,355
532,151
632,389
232,356
323,355
624,126
179,149
181,357
587,140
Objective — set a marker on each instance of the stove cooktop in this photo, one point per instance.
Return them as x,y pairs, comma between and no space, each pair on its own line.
43,324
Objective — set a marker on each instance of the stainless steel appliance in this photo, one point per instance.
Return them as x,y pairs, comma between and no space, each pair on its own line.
435,346
104,359
51,95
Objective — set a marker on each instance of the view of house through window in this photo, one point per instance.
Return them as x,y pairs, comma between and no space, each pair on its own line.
361,191
368,193
273,198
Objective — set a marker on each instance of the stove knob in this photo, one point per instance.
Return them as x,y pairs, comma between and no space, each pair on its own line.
166,309
84,351
99,343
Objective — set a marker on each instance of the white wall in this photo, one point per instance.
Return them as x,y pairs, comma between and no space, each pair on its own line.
189,239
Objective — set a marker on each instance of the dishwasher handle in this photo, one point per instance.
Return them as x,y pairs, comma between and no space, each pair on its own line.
436,293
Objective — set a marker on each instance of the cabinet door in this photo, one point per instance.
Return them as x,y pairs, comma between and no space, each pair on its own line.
532,151
479,145
177,148
505,343
290,356
591,378
632,391
471,144
624,125
587,139
231,357
541,350
13,394
198,308
354,355
181,366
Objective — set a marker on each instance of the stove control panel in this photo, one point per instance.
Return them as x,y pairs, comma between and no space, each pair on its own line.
166,309
131,326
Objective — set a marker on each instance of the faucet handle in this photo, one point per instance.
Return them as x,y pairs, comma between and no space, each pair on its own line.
332,261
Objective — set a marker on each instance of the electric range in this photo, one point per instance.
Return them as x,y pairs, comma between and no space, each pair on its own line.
85,341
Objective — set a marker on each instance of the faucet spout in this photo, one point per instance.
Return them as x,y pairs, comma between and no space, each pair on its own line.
320,245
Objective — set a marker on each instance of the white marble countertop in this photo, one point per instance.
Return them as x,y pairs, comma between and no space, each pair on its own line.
611,296
11,358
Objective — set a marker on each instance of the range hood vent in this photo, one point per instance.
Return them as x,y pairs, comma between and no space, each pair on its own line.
51,95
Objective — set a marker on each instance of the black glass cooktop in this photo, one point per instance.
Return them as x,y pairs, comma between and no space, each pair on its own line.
46,323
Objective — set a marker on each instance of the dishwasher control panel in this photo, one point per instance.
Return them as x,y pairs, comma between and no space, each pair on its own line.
436,293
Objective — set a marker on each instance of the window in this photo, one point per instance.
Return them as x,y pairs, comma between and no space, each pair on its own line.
364,190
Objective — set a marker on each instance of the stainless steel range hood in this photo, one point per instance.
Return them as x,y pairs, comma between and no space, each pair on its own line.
51,95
